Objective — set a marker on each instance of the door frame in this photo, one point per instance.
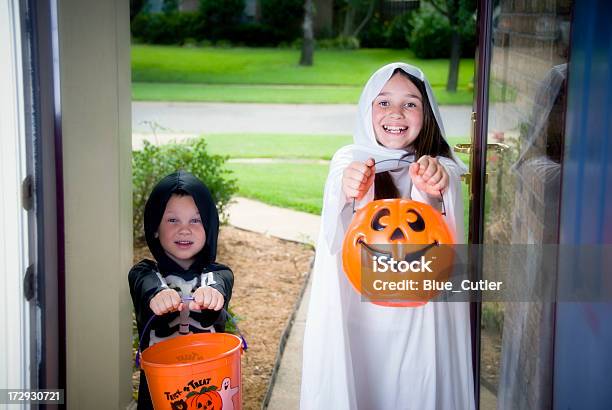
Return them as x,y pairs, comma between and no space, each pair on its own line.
16,339
40,54
478,172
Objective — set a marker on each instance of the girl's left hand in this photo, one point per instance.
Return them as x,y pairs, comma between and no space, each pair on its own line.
206,297
429,176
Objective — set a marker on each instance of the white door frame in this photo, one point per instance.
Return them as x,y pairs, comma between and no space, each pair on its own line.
14,309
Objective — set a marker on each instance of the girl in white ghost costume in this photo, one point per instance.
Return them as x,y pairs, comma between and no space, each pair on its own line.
358,355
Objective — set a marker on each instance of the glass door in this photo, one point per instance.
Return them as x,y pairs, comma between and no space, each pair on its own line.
516,159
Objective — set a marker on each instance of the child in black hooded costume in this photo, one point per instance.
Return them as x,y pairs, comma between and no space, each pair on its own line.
181,228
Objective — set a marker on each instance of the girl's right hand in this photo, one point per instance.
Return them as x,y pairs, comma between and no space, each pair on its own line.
357,178
167,300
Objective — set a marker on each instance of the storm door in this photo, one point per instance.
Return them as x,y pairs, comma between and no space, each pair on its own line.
516,156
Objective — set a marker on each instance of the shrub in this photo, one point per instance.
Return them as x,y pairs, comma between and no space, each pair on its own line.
254,35
153,162
373,34
139,26
431,35
283,19
166,28
220,17
170,6
223,44
339,43
220,22
393,33
397,33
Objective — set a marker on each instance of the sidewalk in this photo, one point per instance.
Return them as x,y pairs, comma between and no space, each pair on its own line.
286,389
295,226
198,118
274,221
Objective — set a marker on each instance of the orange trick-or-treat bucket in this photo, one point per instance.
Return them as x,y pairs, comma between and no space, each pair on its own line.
401,230
197,371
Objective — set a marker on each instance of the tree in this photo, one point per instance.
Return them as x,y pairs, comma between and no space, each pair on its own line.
351,12
456,11
307,56
367,18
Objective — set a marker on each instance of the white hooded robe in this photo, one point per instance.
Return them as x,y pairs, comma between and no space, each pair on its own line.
358,355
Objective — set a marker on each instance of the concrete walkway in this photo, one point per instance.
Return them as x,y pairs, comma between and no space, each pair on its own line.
295,226
274,221
286,391
196,118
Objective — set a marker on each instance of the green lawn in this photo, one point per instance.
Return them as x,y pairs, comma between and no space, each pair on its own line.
276,145
244,93
171,73
270,94
286,145
296,186
172,64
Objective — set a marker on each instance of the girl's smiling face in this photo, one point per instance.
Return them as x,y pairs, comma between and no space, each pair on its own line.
181,232
397,113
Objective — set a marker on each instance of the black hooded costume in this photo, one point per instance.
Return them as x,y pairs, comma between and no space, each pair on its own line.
147,277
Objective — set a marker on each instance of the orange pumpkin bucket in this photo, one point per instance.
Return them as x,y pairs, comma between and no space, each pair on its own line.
405,231
197,371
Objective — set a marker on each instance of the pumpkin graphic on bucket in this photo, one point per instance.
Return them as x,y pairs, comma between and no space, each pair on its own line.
205,399
400,230
196,371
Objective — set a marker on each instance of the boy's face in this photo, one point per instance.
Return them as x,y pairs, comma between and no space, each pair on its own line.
181,232
397,113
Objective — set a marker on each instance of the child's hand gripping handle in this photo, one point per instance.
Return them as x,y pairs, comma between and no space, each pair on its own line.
357,178
370,166
185,300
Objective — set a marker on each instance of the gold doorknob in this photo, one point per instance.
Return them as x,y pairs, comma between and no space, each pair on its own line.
463,148
494,146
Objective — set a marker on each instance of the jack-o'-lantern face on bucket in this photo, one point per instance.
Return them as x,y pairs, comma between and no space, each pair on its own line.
398,233
209,400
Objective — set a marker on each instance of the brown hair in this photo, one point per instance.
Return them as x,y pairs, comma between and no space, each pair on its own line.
428,142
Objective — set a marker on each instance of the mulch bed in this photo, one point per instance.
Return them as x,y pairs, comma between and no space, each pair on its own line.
269,274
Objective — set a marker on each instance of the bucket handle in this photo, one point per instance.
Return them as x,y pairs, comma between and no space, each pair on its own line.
185,299
398,164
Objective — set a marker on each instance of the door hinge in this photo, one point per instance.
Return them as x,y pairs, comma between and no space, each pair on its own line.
27,193
29,284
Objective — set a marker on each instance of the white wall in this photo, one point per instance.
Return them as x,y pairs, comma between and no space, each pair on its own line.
96,126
